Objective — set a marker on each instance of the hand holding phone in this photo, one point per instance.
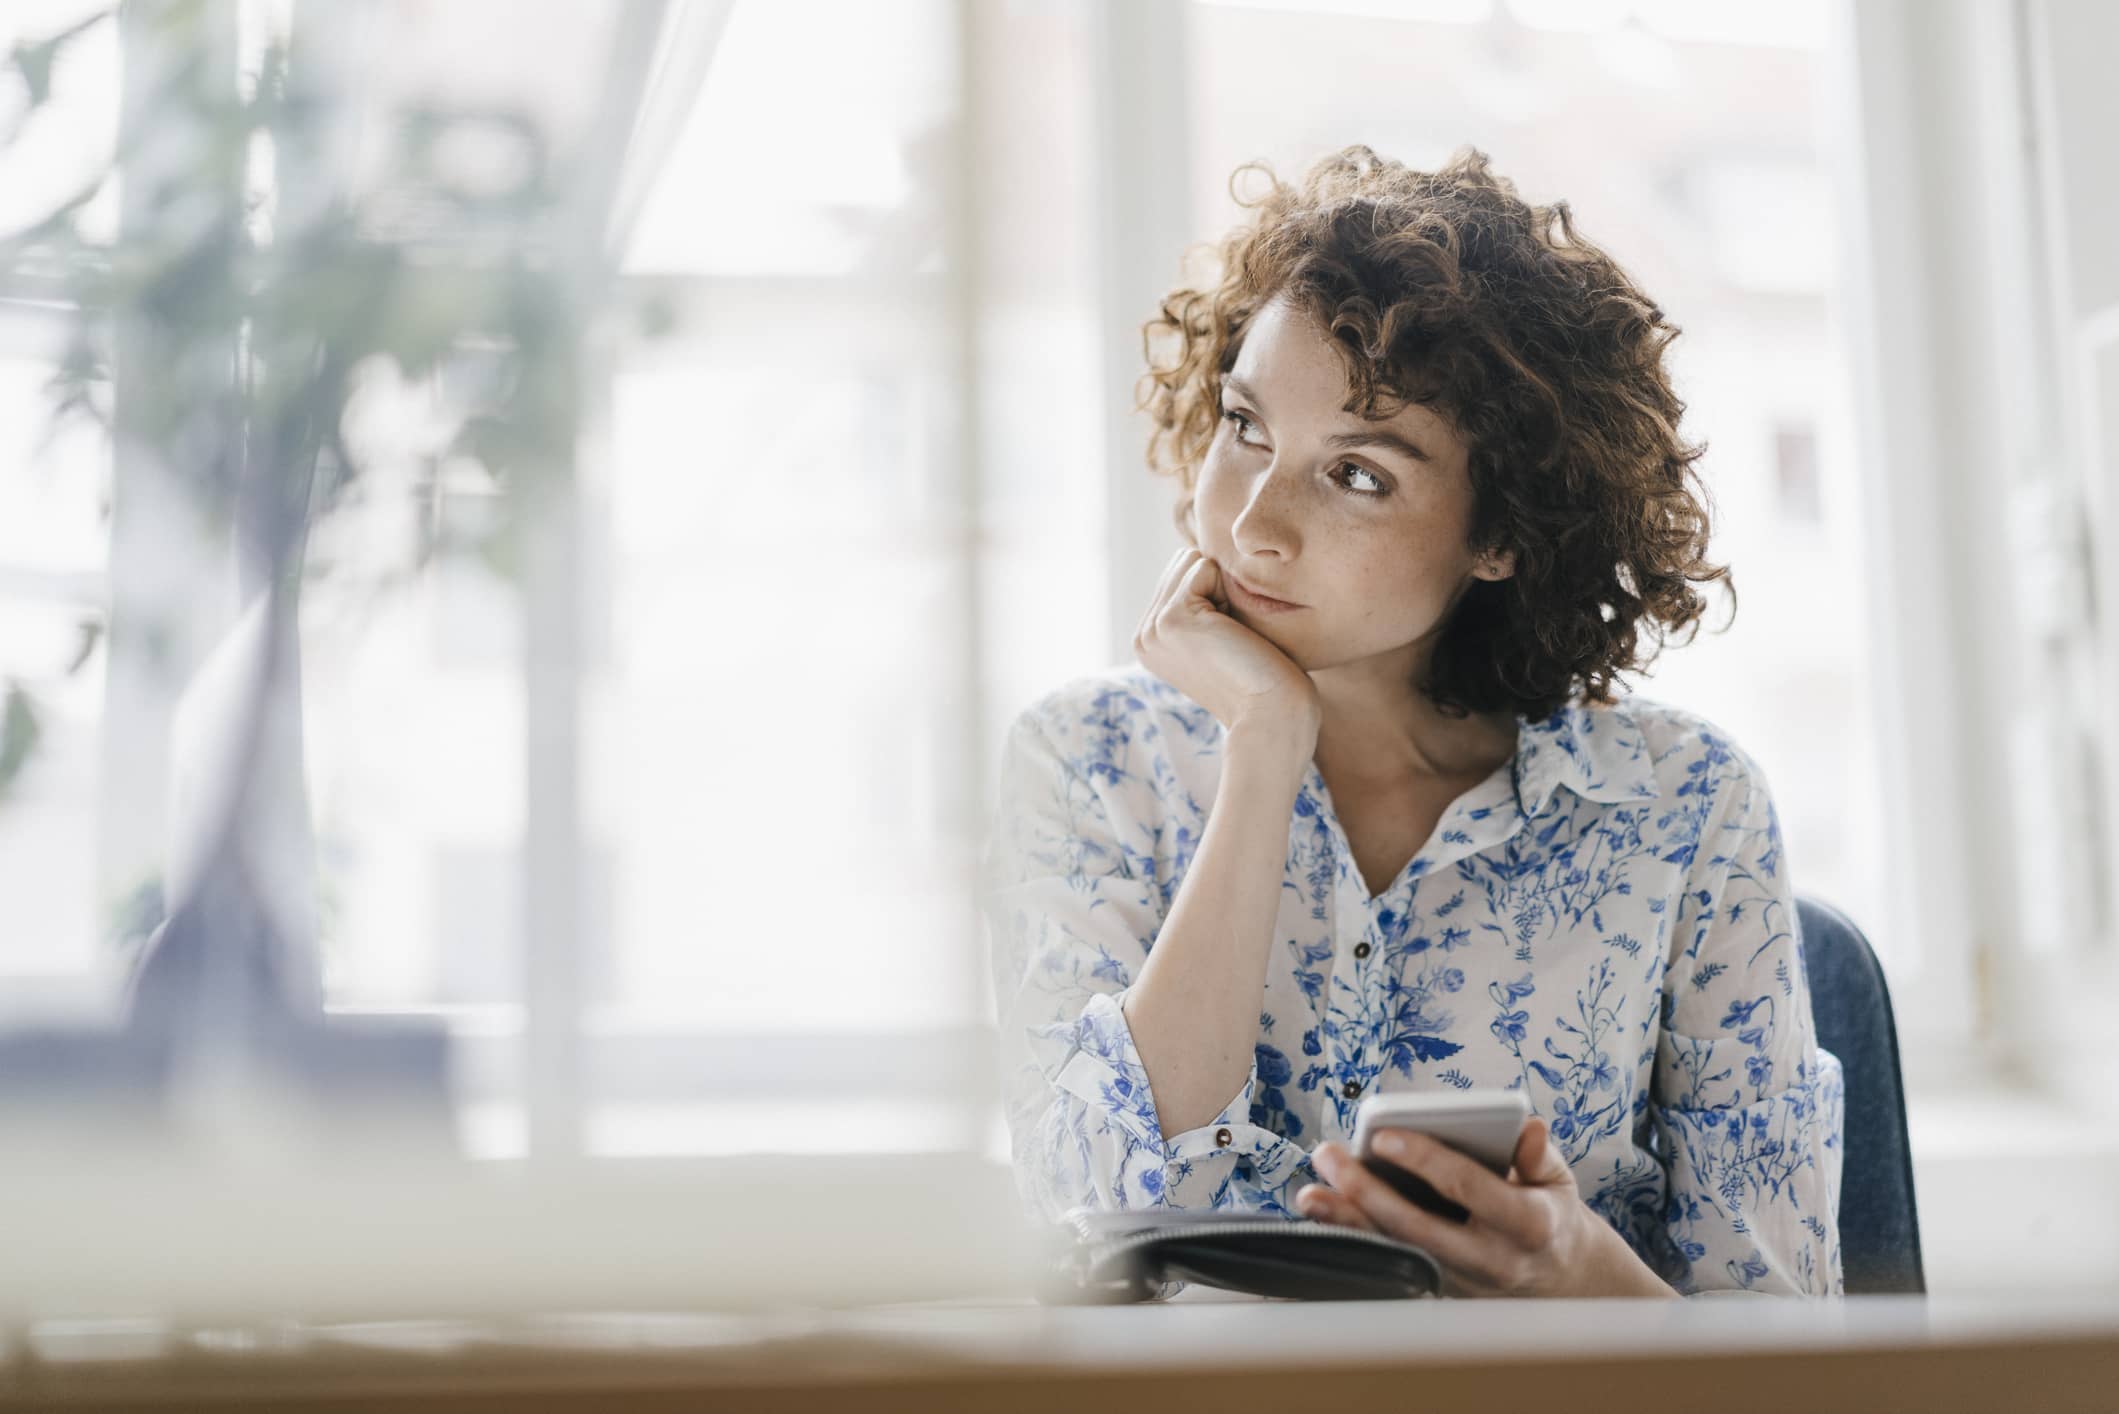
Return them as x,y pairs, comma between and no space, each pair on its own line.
1482,1124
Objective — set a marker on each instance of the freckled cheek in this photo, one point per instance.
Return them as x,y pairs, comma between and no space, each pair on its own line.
1390,592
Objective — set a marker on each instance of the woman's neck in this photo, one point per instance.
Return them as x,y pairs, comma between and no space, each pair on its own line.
1381,732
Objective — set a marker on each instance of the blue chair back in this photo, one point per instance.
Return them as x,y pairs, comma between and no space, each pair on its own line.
1879,1224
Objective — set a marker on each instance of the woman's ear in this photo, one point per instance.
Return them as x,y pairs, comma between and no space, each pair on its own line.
1495,564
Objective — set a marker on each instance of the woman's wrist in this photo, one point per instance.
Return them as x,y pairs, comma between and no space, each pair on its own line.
1619,1270
1288,740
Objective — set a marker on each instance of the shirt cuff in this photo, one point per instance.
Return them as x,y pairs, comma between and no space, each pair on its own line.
1093,1058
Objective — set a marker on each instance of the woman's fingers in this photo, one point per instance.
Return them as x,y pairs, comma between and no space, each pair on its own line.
1190,640
1205,581
1173,574
1179,603
1465,1181
1199,582
1454,1244
1537,1159
1319,1202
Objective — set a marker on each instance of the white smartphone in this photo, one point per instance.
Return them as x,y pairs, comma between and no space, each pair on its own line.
1481,1124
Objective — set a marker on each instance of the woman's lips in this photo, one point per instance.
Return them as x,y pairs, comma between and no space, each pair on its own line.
1259,603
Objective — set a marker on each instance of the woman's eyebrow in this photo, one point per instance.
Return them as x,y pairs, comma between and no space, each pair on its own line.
1374,437
1381,437
1231,383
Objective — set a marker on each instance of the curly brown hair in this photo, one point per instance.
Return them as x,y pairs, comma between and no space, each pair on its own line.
1448,290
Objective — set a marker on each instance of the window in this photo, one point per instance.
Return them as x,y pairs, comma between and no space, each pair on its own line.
860,503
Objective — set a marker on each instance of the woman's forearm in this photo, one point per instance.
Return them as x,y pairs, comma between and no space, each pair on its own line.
1193,1010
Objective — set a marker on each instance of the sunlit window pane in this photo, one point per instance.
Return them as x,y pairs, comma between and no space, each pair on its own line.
68,141
766,751
820,145
57,478
54,482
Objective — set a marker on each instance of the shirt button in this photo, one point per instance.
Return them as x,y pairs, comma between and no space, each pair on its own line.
1361,949
1222,1138
1353,1089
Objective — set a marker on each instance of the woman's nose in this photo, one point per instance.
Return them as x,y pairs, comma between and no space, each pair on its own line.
1267,523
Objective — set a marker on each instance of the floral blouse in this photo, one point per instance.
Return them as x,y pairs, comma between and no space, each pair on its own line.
1605,923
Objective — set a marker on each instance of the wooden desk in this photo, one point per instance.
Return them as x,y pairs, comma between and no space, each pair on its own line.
1205,1351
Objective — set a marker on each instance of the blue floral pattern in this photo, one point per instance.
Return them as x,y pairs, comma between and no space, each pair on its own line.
1605,923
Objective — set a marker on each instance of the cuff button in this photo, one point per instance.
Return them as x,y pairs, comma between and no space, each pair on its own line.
1222,1138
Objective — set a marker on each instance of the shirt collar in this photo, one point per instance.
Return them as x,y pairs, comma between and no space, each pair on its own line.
1598,753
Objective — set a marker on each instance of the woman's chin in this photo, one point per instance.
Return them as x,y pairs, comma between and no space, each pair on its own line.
1296,652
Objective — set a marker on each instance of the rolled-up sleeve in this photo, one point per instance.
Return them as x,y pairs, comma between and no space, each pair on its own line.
1747,1110
1069,924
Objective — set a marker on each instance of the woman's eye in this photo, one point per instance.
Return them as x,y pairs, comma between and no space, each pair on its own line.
1353,471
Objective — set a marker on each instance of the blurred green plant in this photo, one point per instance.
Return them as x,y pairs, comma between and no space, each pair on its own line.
254,285
18,733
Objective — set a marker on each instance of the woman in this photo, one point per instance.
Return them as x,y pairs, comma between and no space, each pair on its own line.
1367,814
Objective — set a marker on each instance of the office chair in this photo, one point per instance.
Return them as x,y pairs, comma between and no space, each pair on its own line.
1879,1224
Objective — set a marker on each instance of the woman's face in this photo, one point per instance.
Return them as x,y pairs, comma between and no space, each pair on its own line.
1362,523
